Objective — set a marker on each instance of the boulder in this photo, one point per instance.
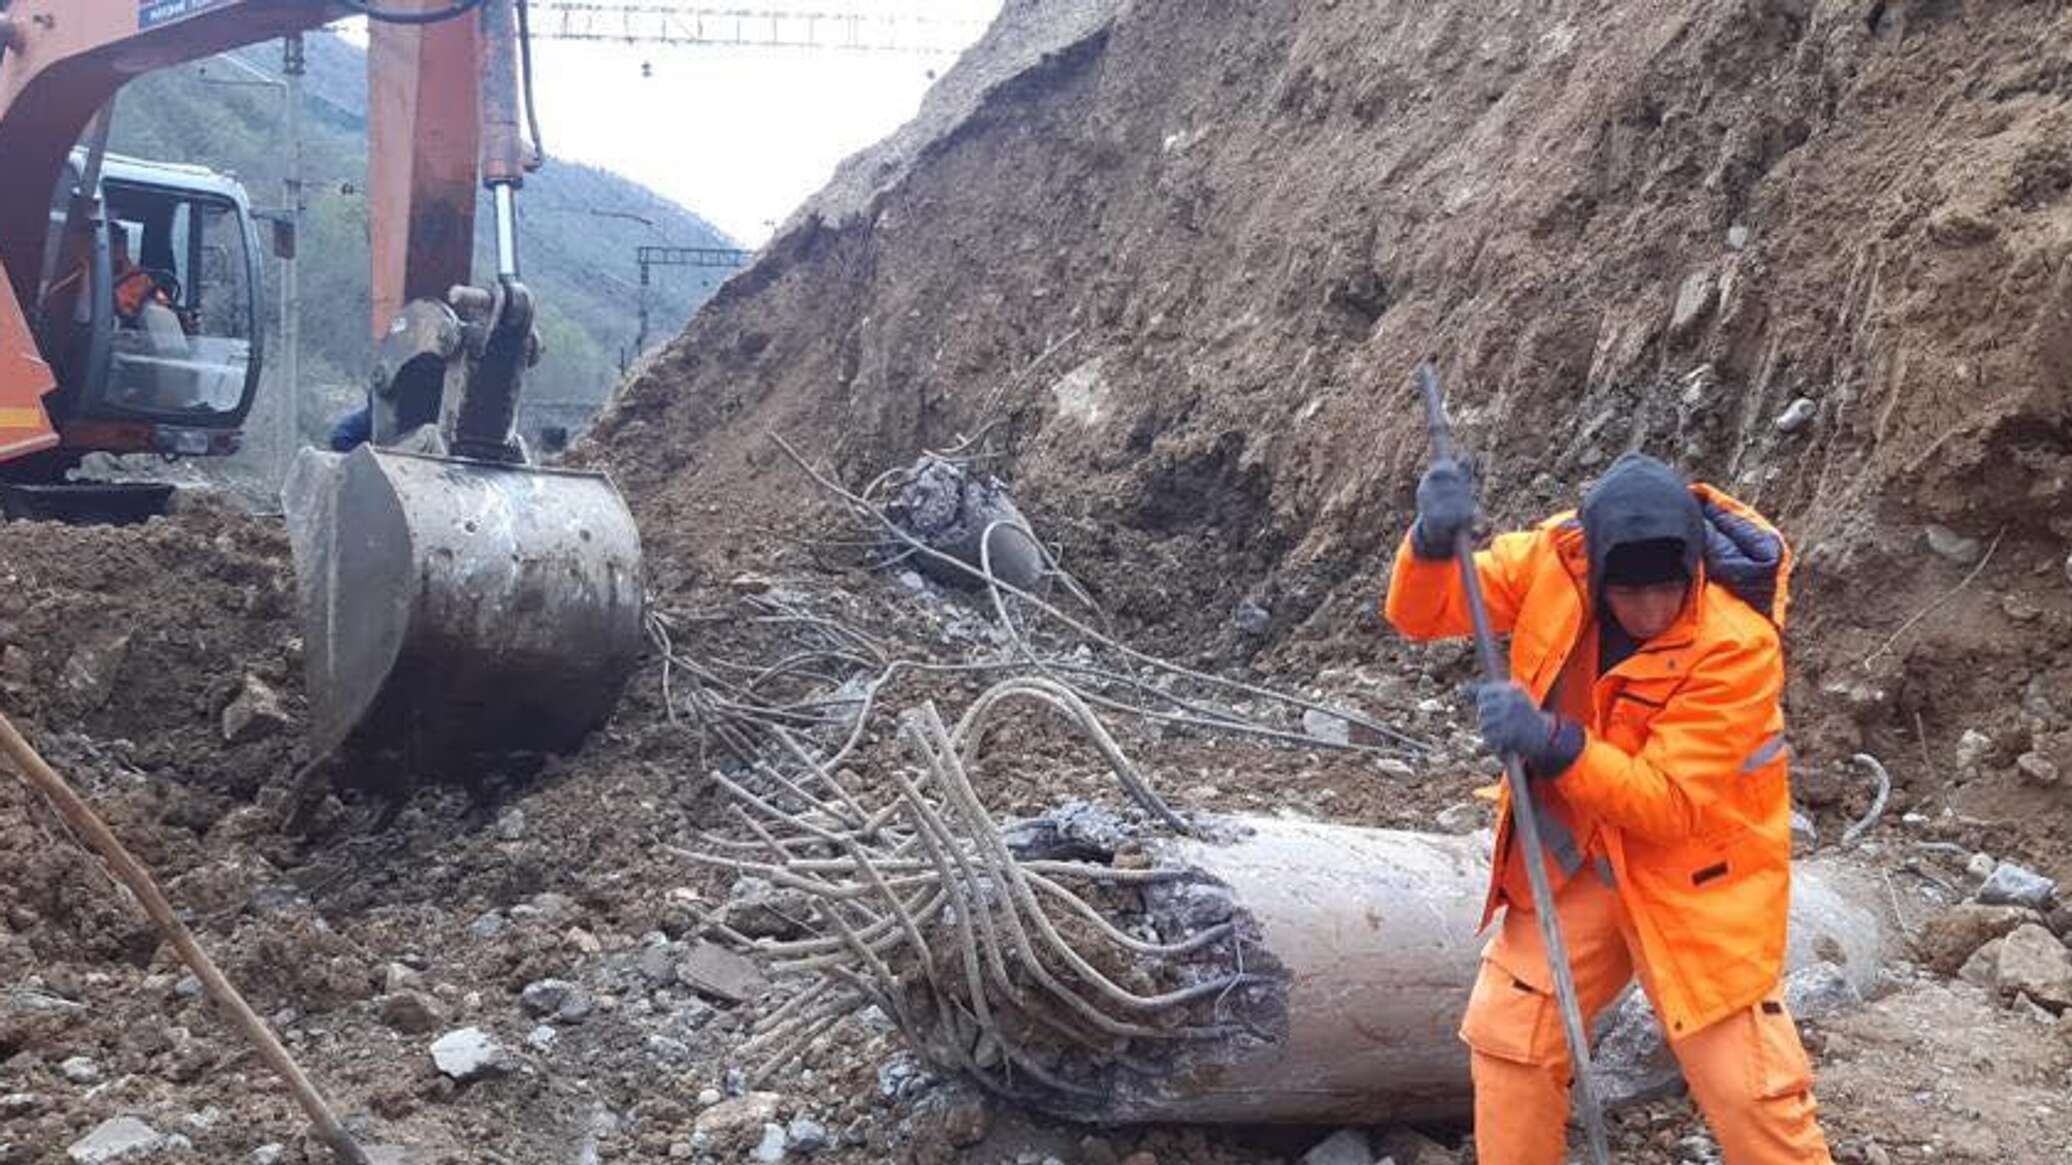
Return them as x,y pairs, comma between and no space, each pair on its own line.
2034,963
124,1138
254,714
470,1053
712,970
1819,990
1344,1147
1410,1147
770,1149
1982,969
2013,885
1953,936
411,1012
740,1121
556,999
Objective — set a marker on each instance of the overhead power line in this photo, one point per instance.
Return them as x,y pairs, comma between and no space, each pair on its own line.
885,28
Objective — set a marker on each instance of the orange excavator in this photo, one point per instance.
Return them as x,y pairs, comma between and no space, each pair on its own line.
460,603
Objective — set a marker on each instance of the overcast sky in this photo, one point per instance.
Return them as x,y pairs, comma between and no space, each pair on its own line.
739,135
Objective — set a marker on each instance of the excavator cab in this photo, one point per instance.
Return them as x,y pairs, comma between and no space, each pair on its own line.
160,352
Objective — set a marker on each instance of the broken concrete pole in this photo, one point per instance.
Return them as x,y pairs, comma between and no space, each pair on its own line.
1096,967
1373,932
952,512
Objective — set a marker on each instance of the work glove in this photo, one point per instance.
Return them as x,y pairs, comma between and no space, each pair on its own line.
1513,725
1445,507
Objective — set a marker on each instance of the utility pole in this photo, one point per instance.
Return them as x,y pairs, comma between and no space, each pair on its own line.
650,257
293,66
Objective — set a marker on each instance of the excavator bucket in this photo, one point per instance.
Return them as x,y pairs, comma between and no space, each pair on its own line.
457,612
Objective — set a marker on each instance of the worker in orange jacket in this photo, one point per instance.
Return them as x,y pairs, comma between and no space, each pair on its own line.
1646,670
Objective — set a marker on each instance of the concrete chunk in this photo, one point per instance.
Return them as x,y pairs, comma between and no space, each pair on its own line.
470,1053
124,1138
2013,885
713,970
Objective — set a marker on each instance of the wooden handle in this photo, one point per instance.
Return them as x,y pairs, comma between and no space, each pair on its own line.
86,824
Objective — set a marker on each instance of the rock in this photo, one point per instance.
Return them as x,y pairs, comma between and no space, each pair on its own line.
271,1153
1980,867
1796,415
1694,298
91,671
806,1136
2060,922
1973,748
733,1122
667,1050
2033,962
16,1105
555,998
488,925
1982,969
17,666
510,824
1803,832
411,1012
1737,238
771,1147
656,964
2013,885
542,1037
1956,934
707,1097
470,1053
254,714
120,1139
400,977
1410,1147
1344,1147
1251,618
2037,768
1141,1158
80,1070
957,1113
1464,818
757,909
1952,545
553,909
1819,990
1326,727
1633,1062
711,969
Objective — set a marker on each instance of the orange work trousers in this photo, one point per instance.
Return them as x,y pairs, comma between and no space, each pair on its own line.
1748,1072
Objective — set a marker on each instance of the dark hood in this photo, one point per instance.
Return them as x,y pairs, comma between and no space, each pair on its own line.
1639,499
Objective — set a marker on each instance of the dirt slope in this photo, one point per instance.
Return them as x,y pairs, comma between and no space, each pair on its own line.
1177,273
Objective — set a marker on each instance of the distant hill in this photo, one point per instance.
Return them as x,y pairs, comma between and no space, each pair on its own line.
579,225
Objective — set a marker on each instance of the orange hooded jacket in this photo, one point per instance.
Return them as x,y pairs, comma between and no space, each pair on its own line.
1685,767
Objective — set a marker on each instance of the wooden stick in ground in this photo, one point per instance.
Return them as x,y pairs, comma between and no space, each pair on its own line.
86,824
